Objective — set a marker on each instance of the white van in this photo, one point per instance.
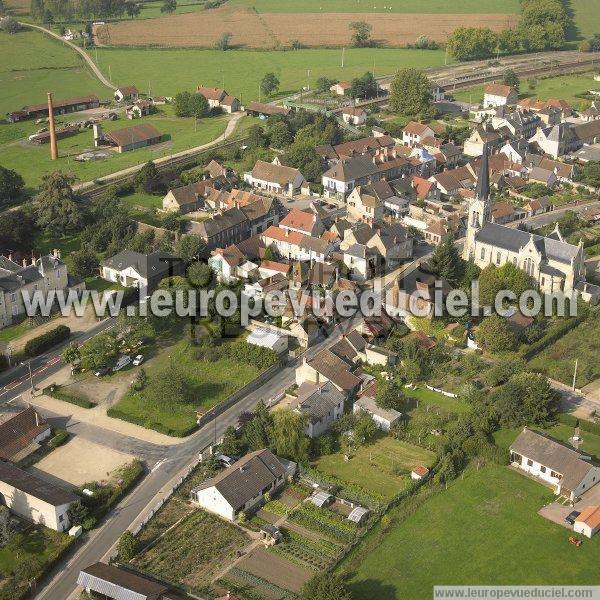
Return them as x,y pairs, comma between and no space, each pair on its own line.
122,362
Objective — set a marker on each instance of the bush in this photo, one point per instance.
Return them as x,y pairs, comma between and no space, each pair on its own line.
60,438
60,393
40,344
572,421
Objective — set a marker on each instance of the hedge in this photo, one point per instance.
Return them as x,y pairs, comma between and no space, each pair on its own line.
57,391
584,425
60,438
117,413
40,344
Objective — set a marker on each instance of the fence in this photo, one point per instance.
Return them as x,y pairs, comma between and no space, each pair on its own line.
440,391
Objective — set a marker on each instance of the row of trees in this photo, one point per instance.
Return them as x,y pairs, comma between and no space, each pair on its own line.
49,11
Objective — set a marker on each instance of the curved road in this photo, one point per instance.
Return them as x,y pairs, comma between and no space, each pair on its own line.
97,72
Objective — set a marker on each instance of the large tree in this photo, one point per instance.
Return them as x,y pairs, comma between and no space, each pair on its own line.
471,43
410,93
495,335
325,586
447,262
258,430
57,209
289,438
17,231
364,86
85,262
189,247
361,34
269,84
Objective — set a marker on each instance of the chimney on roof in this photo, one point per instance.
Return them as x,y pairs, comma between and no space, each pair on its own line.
10,256
24,262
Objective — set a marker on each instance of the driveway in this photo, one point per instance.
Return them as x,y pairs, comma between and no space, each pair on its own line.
557,513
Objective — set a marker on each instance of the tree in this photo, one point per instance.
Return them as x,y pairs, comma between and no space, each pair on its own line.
269,84
390,396
361,34
132,9
324,83
256,137
37,10
27,568
10,25
147,179
410,93
6,527
85,262
511,79
56,209
99,351
280,135
200,275
223,42
141,381
17,231
257,430
128,546
590,174
304,157
472,43
231,444
189,247
170,386
364,429
168,6
289,438
77,513
134,330
446,261
325,586
72,354
187,104
495,335
364,86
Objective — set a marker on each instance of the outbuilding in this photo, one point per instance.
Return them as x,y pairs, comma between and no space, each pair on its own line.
588,522
265,338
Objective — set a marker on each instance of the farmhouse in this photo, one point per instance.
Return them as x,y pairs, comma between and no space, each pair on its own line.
276,179
128,138
185,199
355,116
219,98
129,92
497,94
140,108
115,583
241,487
321,404
566,469
340,88
133,269
35,499
21,434
60,107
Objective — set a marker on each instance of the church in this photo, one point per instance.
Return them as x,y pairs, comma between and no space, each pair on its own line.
553,263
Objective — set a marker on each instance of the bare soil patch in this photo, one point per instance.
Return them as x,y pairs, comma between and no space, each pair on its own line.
270,30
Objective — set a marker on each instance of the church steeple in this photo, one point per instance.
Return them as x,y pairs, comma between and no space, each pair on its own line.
482,191
480,210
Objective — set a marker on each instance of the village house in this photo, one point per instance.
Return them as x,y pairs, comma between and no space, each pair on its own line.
544,176
43,274
480,136
267,338
537,206
503,212
305,222
218,98
364,207
340,88
354,116
564,172
497,94
515,124
321,405
588,521
414,133
241,487
185,199
21,433
128,93
133,269
226,263
366,402
568,471
34,499
292,245
556,140
141,108
275,179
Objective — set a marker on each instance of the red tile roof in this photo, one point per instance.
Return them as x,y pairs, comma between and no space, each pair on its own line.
298,219
282,235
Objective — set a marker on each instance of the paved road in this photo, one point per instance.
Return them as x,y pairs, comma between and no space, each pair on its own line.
172,461
79,51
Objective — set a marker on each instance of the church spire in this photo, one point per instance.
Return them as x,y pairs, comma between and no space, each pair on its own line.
482,191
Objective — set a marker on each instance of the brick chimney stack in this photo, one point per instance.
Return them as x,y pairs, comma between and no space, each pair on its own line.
51,129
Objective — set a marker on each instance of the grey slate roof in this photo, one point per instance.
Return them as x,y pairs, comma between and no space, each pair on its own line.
147,265
34,486
246,478
554,455
317,402
369,405
514,239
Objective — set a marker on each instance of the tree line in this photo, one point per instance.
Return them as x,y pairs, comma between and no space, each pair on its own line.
48,11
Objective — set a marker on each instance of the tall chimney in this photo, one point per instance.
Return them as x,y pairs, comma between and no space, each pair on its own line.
53,148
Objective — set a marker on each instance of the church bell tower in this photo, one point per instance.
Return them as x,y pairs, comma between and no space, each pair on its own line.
480,209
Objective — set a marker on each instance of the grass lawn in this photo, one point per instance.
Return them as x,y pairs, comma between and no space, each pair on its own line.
583,343
428,398
484,529
194,550
382,467
30,542
7,334
586,17
565,87
212,382
32,161
397,6
144,200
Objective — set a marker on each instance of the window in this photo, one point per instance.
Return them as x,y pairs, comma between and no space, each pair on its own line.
543,469
498,258
543,281
61,518
482,253
529,462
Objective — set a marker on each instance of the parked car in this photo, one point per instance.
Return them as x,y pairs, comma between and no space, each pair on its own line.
138,360
102,371
224,461
122,362
570,518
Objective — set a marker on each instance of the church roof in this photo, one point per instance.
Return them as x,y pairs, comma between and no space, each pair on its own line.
514,239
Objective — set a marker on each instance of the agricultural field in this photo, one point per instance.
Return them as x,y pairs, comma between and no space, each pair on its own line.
206,379
193,551
264,29
582,343
382,467
486,520
586,18
566,87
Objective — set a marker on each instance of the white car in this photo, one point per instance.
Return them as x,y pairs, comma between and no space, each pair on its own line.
122,362
138,360
224,460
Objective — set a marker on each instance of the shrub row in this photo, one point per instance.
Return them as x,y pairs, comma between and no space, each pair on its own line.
56,391
243,352
583,424
39,345
60,438
117,413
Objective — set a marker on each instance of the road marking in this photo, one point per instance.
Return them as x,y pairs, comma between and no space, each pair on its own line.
159,464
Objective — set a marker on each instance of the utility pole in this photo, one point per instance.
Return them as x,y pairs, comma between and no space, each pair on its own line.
575,373
30,376
343,50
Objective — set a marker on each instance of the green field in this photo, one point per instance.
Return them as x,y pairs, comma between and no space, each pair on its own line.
382,467
396,6
429,398
484,529
566,87
586,17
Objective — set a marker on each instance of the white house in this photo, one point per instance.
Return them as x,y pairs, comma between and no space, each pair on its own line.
414,133
340,88
266,338
588,522
277,179
129,92
384,418
241,487
354,116
321,404
35,499
567,470
497,94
